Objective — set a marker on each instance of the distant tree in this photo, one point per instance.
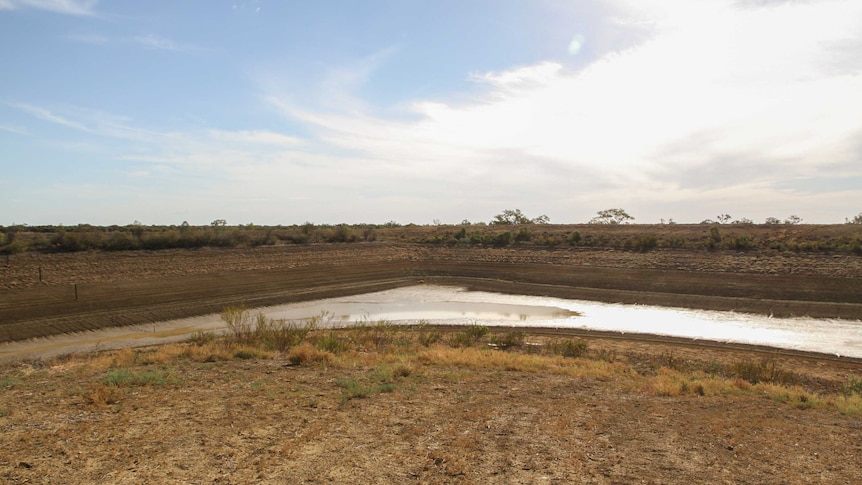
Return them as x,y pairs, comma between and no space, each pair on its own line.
465,222
542,219
744,220
723,218
772,220
513,217
218,223
793,220
856,219
612,216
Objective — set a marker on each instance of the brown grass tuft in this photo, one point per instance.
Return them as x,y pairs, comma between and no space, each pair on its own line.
308,354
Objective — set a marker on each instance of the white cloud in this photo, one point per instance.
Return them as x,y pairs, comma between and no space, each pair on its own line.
68,7
717,108
770,90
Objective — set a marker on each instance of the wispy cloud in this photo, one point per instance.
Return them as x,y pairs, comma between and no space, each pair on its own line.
255,137
18,130
47,115
96,39
67,7
163,43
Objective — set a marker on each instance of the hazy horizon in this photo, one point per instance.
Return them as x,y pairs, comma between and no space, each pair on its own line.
278,113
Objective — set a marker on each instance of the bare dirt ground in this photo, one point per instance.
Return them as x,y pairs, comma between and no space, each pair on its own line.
261,420
266,421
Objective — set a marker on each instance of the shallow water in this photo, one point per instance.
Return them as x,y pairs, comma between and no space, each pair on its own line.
450,305
436,304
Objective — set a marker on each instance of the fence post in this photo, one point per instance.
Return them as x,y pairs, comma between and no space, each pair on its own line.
76,291
40,274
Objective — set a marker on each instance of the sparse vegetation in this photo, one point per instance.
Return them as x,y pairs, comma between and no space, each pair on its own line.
611,228
400,387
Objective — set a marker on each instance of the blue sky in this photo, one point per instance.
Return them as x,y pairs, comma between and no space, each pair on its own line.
281,112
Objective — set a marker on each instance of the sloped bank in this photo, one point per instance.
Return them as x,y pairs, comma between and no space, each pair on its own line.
133,288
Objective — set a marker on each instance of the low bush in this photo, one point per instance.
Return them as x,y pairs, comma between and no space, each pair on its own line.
569,348
766,370
509,339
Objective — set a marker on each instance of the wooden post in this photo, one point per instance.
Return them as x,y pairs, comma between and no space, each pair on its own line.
40,274
76,291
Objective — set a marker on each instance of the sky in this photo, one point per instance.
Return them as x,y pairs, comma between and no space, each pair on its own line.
282,112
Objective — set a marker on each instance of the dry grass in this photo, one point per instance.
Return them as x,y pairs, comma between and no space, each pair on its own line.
390,410
393,352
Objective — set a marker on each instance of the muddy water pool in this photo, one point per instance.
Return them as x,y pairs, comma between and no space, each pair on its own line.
451,305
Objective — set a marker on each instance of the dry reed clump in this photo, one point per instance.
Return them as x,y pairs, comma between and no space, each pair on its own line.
245,329
793,395
674,383
309,354
100,395
849,404
473,357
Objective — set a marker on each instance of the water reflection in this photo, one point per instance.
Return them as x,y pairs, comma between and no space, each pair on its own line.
448,305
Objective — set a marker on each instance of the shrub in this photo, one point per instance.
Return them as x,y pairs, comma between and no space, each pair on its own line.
766,370
853,386
330,342
570,348
468,337
523,235
342,233
642,243
353,389
714,238
476,332
239,324
509,339
676,242
502,239
574,238
742,243
476,238
426,336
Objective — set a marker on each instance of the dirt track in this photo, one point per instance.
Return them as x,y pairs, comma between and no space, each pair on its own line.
138,287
